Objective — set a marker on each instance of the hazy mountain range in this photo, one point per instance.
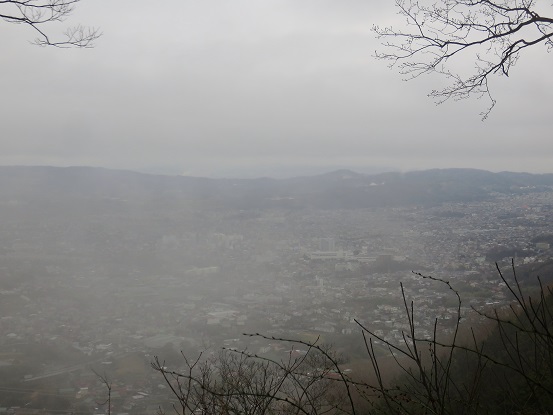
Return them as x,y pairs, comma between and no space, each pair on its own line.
338,189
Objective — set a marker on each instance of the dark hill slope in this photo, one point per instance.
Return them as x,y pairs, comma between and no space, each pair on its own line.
85,187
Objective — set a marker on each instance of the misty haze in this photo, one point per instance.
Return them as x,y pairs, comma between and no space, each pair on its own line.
231,208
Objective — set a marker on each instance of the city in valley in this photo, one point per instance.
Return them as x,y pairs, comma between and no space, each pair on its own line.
103,270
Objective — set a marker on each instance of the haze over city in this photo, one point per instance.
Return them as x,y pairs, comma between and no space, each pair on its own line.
215,207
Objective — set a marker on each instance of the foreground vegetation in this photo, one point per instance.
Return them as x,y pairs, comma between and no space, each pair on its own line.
502,366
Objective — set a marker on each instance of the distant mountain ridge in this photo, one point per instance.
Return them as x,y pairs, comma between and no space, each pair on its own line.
339,189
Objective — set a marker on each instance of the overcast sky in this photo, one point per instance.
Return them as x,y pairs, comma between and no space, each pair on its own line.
253,88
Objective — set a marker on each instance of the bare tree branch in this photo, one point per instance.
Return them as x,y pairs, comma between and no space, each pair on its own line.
492,34
107,383
39,13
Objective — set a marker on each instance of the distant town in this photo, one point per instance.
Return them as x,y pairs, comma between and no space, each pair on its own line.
103,285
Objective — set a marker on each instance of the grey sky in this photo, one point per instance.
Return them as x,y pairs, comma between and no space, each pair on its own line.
253,88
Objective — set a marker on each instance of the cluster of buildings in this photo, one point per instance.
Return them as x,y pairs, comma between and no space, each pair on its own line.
296,274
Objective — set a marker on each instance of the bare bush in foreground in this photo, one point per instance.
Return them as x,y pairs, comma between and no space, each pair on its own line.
509,371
